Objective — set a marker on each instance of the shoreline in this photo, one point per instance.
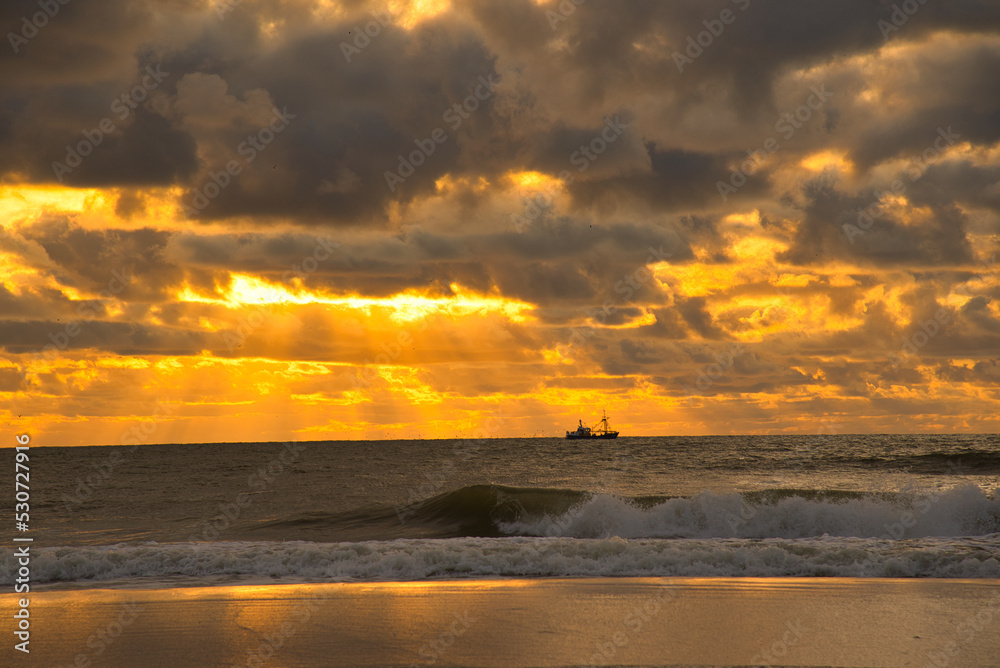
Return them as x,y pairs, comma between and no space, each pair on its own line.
524,622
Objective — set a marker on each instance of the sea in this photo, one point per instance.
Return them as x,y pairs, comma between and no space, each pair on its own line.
184,515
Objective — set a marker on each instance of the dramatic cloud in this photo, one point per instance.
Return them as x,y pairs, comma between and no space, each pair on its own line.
382,218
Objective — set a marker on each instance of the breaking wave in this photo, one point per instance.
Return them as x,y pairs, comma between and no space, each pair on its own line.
488,531
495,511
401,560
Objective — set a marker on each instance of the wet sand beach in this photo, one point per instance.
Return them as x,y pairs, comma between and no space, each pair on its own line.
523,622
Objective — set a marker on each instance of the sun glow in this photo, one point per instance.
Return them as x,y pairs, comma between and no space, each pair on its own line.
24,201
245,290
404,13
532,180
756,265
817,162
408,13
646,319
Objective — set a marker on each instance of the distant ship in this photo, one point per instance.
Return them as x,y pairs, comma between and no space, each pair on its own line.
599,432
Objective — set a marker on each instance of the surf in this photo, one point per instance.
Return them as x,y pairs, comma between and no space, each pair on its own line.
493,511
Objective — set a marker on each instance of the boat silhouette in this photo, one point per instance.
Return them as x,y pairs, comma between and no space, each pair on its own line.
601,431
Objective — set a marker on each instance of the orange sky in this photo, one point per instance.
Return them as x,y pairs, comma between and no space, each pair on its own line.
842,278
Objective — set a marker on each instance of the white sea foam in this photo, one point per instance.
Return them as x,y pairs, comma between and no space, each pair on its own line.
973,557
962,511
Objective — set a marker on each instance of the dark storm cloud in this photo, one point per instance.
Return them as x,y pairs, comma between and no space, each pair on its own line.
704,370
958,181
677,180
931,332
698,318
33,303
597,43
705,228
83,43
146,152
253,252
599,39
588,153
879,239
122,338
570,237
648,196
565,266
553,262
352,120
951,101
11,380
623,316
985,372
23,306
129,263
668,325
71,76
899,375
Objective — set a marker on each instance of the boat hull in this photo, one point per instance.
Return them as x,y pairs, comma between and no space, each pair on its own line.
572,435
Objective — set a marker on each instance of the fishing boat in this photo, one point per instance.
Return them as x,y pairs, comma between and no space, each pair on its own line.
601,431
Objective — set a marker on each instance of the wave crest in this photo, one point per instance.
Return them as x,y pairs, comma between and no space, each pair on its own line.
399,560
962,511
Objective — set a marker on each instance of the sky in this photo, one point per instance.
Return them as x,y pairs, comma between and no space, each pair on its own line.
312,220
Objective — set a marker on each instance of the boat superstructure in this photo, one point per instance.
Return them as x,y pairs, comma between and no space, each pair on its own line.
601,431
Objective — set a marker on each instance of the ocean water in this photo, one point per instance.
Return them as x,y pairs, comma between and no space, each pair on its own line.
194,515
